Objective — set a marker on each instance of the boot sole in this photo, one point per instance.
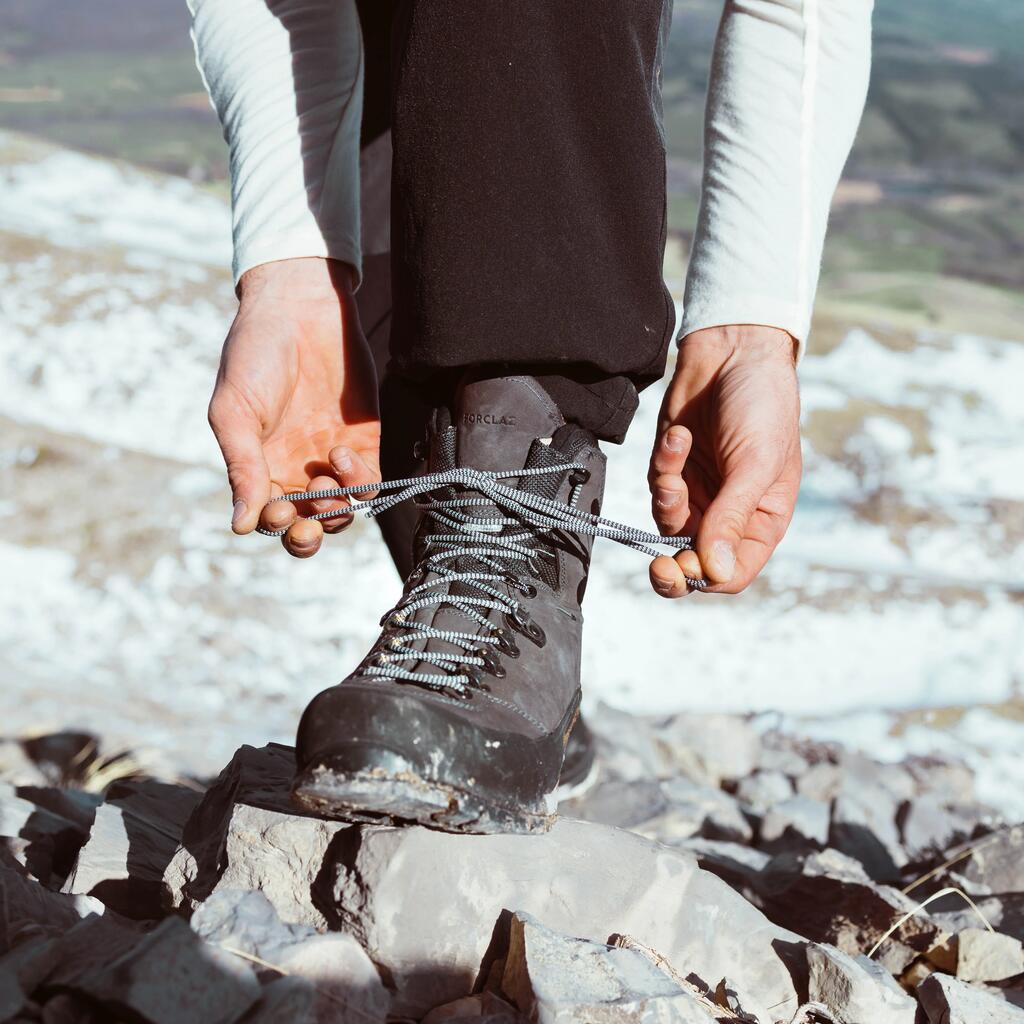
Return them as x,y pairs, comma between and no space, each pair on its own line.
377,797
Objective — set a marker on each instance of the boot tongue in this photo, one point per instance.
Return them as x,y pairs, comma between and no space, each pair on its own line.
498,420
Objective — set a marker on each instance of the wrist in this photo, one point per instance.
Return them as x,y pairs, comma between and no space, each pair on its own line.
742,341
303,280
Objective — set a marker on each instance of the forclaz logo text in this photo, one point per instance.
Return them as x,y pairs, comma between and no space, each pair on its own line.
490,418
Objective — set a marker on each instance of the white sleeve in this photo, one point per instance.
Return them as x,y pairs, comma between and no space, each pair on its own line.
286,80
788,83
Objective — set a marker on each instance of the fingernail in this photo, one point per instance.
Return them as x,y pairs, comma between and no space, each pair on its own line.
666,498
662,586
674,443
239,511
724,559
343,462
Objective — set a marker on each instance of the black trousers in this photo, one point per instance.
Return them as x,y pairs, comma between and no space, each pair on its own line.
514,207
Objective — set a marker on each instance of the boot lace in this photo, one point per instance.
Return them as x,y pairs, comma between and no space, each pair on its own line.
477,552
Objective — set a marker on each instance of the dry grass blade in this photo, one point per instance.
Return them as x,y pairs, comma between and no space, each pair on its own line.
948,891
659,961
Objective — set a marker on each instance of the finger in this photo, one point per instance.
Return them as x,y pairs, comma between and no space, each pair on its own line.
669,493
303,538
670,503
332,525
354,468
238,434
670,451
669,575
278,515
725,521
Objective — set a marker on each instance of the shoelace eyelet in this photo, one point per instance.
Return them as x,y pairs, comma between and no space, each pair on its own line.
491,662
507,643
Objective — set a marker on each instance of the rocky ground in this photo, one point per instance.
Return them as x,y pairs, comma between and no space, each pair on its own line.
712,873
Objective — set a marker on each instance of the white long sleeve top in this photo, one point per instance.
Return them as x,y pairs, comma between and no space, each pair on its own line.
787,87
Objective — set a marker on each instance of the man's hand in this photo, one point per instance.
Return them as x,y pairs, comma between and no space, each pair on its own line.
726,463
295,404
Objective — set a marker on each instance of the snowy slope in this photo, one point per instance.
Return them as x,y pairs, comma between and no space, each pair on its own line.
130,609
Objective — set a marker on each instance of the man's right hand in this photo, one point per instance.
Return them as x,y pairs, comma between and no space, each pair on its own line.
295,404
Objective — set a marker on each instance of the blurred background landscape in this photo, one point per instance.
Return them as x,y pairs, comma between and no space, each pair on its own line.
891,617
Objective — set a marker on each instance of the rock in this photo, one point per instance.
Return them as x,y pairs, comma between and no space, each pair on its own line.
245,834
65,1008
43,841
485,1008
856,990
822,781
828,897
996,864
132,840
763,790
170,977
17,768
988,956
415,897
862,773
783,753
625,804
864,827
949,1001
941,774
559,980
29,909
343,975
21,971
726,746
288,1000
697,810
797,821
87,948
628,747
930,824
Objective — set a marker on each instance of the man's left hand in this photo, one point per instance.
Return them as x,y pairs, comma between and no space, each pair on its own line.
726,463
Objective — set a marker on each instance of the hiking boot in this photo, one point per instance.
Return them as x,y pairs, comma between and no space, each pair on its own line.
459,716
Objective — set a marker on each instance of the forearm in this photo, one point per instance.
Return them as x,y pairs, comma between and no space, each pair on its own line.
285,77
787,90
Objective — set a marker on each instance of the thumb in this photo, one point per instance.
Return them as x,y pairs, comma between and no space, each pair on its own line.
238,434
724,523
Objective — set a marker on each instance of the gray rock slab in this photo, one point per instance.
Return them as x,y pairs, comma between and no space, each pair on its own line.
947,1000
133,838
40,839
245,834
344,978
28,908
864,827
285,1001
695,809
619,802
726,746
171,977
856,990
996,864
988,956
424,905
828,897
764,789
942,774
798,820
930,824
482,1008
556,979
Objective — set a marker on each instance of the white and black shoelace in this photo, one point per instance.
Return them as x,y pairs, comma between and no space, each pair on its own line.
491,545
